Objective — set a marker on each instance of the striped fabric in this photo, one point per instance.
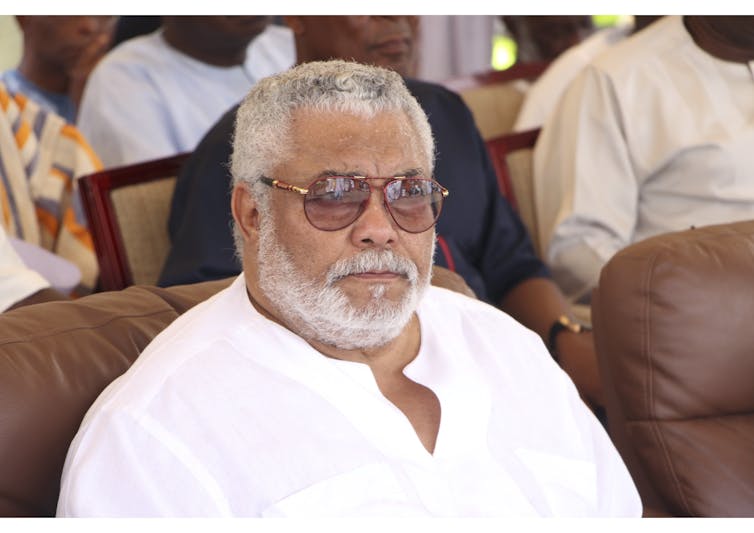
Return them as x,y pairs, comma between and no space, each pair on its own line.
40,158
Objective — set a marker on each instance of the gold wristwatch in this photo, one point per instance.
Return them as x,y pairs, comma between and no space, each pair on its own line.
562,323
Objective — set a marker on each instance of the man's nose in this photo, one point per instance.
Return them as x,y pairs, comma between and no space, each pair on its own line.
375,226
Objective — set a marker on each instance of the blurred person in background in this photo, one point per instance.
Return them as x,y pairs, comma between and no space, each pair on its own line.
655,135
543,94
542,38
156,95
58,54
41,158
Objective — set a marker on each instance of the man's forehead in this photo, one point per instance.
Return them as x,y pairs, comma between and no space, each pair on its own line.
303,115
348,143
334,128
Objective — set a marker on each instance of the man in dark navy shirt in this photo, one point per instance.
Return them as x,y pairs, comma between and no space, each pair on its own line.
479,235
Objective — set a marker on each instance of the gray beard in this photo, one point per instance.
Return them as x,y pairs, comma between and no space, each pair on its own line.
322,311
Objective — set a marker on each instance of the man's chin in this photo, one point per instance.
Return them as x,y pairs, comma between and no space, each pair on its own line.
369,294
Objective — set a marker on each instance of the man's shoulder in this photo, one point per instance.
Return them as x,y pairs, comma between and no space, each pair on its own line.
432,93
224,125
645,50
452,306
477,327
10,78
188,342
14,82
212,154
445,109
144,52
275,35
272,51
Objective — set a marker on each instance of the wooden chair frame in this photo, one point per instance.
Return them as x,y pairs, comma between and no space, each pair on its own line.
499,148
95,190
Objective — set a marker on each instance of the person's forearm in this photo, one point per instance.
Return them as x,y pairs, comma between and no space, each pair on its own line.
536,303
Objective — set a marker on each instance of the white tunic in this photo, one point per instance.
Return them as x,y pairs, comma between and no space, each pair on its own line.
147,100
543,95
229,414
656,135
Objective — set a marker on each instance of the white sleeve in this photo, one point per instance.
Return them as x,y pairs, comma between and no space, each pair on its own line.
123,115
17,281
119,466
617,495
586,190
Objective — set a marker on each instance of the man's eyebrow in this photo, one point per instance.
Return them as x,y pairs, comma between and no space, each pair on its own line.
328,173
409,173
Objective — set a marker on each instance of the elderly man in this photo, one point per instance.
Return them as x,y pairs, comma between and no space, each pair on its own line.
480,236
329,378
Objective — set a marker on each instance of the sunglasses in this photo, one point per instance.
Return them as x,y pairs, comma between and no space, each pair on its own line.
334,202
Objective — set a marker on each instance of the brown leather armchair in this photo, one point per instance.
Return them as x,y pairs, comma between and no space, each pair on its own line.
672,320
56,358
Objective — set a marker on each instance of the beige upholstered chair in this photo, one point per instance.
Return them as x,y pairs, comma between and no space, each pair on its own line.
495,97
672,320
127,209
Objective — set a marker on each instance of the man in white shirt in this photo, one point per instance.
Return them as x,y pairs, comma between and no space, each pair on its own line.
330,379
654,136
157,95
543,94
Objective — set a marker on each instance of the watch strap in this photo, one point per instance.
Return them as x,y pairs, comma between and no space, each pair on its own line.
561,324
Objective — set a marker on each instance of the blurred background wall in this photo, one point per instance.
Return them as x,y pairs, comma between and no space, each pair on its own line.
10,42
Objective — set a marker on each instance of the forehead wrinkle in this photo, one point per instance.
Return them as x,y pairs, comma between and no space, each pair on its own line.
402,143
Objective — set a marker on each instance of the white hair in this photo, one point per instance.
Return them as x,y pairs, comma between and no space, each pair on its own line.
261,139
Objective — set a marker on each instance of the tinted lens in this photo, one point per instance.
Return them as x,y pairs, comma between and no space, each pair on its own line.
334,203
415,203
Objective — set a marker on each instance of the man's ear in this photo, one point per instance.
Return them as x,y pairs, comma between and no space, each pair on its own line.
245,212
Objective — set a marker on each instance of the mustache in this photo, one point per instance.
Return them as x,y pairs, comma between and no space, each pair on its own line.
373,261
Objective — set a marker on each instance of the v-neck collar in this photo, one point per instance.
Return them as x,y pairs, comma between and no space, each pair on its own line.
350,387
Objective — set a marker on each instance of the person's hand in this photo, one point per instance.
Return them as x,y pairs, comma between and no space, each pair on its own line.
578,357
90,56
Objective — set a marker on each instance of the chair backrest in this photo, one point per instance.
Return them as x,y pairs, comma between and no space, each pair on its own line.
57,357
495,97
675,344
128,209
511,156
